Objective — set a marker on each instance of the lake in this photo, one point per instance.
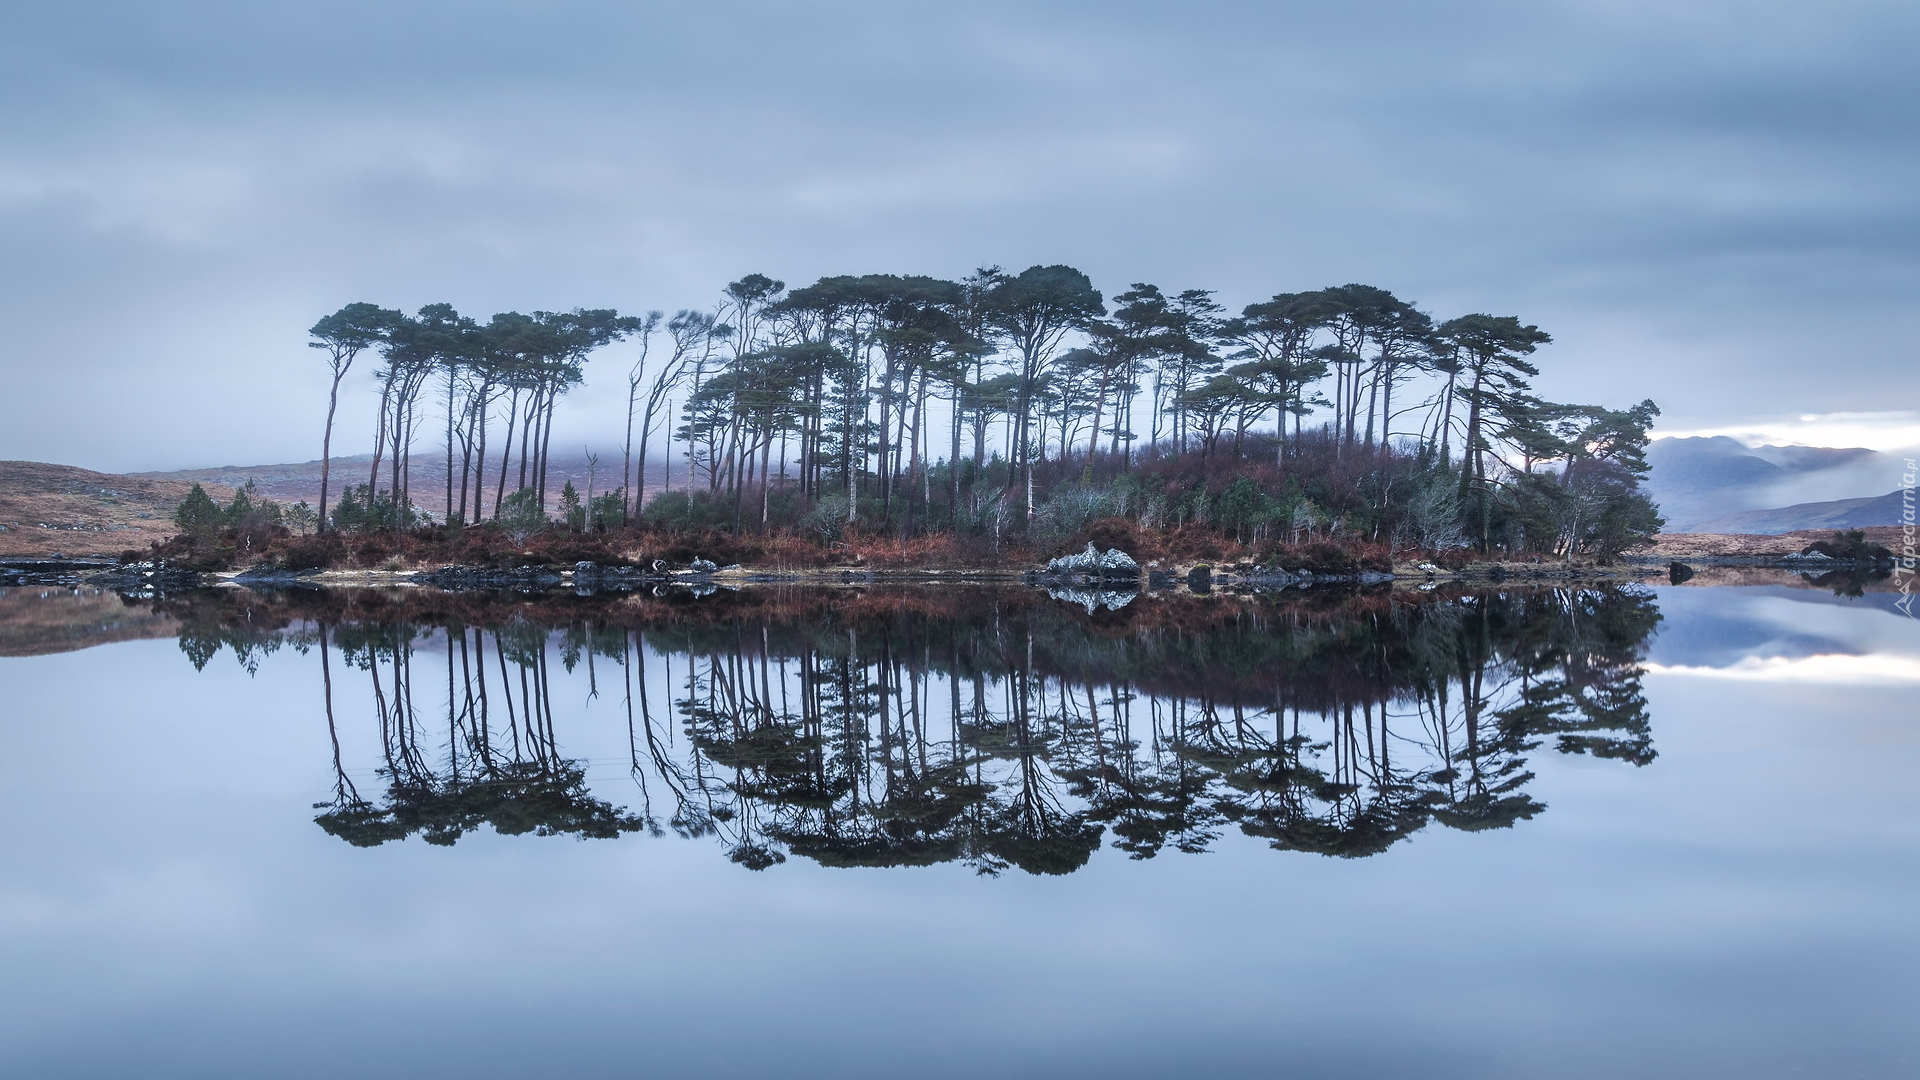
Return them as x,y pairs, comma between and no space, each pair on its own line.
1587,831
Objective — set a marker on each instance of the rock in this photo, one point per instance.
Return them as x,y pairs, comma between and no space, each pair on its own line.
147,577
524,579
1678,572
1094,563
1094,599
1428,568
586,577
13,575
274,577
702,566
58,571
1200,579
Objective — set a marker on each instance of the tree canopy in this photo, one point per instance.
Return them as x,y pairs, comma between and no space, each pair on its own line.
820,408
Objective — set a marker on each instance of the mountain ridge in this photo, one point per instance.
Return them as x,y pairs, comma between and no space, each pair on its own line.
1701,482
1833,514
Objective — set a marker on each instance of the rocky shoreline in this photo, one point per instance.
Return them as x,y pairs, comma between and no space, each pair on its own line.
1091,569
148,577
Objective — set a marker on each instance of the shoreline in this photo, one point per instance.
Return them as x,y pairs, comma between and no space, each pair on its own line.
595,577
455,578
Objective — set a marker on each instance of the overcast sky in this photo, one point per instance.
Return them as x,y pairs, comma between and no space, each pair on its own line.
1708,203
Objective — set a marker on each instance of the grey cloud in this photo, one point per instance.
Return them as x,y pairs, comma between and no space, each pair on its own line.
1691,200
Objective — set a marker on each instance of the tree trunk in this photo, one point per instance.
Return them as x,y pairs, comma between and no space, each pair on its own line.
636,499
526,429
506,452
1475,465
626,459
546,442
734,454
1373,397
1386,409
326,447
379,440
766,487
1093,437
914,464
886,433
953,461
480,458
449,505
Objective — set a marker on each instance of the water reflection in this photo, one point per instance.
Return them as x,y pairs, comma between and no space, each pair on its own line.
999,728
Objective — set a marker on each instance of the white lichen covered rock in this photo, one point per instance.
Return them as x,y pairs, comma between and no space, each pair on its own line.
1114,563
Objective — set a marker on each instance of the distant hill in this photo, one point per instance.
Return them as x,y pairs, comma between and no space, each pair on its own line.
1837,514
287,483
63,511
1702,480
293,482
1703,485
59,511
1811,458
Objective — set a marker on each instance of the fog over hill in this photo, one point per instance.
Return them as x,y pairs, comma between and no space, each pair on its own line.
1713,484
1703,484
290,482
1834,514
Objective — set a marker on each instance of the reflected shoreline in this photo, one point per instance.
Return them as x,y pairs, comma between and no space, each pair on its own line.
1000,728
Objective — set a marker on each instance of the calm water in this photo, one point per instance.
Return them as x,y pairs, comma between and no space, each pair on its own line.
1578,833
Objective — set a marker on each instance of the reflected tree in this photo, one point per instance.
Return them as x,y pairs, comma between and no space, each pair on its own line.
994,728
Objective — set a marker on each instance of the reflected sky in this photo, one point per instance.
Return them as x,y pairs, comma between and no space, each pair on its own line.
168,908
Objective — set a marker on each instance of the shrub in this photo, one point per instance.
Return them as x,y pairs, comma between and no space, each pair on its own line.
1241,508
827,520
678,510
521,516
1433,512
607,511
198,514
372,551
189,552
1322,557
313,552
363,510
301,518
1850,546
1116,533
1067,512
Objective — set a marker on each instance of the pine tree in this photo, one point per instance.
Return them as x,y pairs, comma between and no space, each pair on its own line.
198,514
